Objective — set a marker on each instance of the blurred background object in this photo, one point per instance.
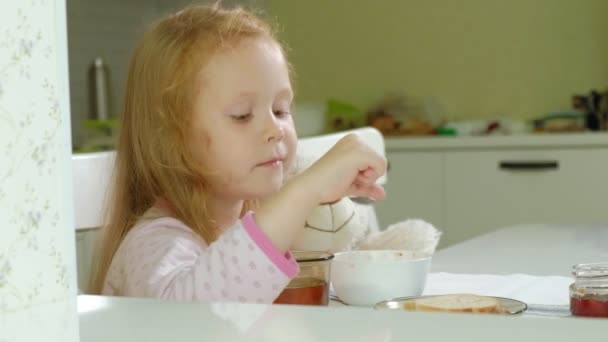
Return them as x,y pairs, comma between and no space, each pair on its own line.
408,67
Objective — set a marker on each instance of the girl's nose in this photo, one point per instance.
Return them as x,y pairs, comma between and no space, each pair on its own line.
274,129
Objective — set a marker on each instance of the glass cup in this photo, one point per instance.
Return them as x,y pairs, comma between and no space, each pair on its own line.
311,285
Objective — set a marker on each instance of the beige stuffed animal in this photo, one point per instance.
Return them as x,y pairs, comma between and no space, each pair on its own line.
346,225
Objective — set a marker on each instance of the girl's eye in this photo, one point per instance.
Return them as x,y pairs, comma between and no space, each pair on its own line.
243,117
280,113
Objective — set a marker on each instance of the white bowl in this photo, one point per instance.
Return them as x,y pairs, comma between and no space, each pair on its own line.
364,278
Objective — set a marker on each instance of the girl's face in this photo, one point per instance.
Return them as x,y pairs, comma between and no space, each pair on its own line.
242,129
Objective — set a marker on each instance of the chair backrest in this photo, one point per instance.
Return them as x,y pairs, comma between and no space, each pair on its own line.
92,174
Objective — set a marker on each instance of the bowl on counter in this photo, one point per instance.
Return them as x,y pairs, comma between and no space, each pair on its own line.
364,278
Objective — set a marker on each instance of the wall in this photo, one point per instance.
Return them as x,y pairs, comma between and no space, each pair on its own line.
476,58
37,257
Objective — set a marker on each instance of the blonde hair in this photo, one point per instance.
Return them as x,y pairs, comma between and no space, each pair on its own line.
153,159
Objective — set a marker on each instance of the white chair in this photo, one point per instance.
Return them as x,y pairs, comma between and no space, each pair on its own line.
93,171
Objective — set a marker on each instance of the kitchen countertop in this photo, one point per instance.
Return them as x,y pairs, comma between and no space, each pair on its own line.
533,249
440,143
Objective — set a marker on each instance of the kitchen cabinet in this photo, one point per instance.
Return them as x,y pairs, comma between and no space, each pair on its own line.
468,186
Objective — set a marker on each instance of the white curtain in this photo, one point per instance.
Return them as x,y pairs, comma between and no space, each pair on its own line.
37,257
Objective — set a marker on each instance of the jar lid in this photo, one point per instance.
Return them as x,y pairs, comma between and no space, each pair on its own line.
590,270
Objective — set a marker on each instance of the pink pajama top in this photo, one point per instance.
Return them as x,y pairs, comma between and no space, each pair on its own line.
164,258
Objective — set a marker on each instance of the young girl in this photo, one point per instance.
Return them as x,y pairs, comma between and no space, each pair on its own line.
201,209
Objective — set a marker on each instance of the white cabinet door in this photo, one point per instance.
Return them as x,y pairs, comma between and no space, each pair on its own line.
486,190
414,188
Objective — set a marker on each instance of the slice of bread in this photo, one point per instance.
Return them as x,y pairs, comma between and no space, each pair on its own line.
456,303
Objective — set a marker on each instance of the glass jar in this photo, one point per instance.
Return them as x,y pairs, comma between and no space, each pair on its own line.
589,292
311,285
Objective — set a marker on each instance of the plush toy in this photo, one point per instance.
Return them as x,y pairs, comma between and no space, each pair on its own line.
346,225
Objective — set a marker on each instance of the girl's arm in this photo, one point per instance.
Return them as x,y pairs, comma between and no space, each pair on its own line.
350,168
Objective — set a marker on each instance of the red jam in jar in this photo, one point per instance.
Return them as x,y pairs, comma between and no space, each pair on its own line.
589,292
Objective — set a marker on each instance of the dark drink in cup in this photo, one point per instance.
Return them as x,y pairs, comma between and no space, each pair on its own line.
305,291
311,285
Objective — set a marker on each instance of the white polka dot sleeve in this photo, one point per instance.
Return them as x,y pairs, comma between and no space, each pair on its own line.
163,258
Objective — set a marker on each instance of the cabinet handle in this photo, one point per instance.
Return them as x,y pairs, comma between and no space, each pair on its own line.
529,165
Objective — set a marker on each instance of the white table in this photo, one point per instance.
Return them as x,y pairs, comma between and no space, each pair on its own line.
531,249
128,319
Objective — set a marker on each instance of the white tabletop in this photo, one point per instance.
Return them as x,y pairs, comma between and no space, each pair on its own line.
531,249
130,319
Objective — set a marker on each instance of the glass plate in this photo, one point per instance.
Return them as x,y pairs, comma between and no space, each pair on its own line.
510,306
